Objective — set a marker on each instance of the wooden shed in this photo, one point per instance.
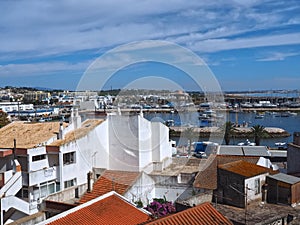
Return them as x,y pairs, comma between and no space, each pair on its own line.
283,188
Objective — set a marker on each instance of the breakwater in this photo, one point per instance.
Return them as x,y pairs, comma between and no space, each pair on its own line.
241,132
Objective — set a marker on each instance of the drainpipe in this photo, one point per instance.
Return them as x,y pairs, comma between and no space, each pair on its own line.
14,150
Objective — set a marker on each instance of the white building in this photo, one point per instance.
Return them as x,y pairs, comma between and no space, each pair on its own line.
48,158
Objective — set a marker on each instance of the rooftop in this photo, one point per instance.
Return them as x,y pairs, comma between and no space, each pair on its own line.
110,208
207,175
243,150
85,128
111,180
27,135
204,214
181,165
285,178
244,168
259,214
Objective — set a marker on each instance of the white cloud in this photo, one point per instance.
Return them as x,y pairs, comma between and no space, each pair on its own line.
278,56
213,45
51,28
38,69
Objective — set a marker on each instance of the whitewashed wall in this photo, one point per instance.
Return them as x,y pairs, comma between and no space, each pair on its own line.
250,185
123,143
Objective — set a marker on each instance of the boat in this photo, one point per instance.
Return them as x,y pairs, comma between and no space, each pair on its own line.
281,145
246,105
259,116
246,143
169,123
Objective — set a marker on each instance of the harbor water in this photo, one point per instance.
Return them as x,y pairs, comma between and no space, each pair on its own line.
290,123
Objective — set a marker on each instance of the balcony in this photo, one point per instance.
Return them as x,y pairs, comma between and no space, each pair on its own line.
40,176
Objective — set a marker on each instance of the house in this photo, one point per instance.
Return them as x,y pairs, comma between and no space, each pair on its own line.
283,189
204,214
53,159
110,208
27,173
207,176
293,155
240,182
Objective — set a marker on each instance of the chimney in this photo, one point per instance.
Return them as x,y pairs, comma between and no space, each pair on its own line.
296,140
61,130
71,116
89,181
77,120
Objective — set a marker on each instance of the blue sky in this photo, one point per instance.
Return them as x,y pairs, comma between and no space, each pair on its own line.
248,45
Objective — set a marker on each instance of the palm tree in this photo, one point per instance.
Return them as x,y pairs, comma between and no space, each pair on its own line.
228,129
3,118
189,134
259,132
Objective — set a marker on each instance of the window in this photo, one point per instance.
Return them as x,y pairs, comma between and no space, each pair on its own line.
38,157
69,158
70,183
257,186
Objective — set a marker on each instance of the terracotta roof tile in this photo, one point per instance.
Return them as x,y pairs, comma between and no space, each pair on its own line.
111,180
85,128
207,176
27,135
109,210
244,168
204,214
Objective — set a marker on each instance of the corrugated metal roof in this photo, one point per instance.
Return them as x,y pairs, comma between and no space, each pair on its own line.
243,150
285,178
255,151
230,150
244,168
278,153
204,214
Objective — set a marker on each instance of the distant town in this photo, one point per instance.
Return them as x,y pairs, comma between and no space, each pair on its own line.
66,154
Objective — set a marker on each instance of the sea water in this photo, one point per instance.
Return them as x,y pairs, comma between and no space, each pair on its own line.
291,124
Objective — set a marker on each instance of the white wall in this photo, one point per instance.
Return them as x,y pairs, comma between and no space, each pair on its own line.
143,189
40,164
145,142
250,185
123,143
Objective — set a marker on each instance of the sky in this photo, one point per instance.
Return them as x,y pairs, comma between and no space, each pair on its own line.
247,44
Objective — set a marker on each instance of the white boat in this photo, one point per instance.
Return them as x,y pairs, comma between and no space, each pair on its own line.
246,143
281,145
246,105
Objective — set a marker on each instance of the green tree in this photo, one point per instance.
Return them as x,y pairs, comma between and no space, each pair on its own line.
228,129
189,134
3,118
259,132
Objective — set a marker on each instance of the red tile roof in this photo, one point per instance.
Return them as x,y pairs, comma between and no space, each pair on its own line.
111,180
108,209
244,168
207,176
204,214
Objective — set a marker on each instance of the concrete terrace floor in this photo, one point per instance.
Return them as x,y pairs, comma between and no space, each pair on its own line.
182,165
259,214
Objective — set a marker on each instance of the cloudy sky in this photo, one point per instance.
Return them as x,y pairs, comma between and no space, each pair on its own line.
247,44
